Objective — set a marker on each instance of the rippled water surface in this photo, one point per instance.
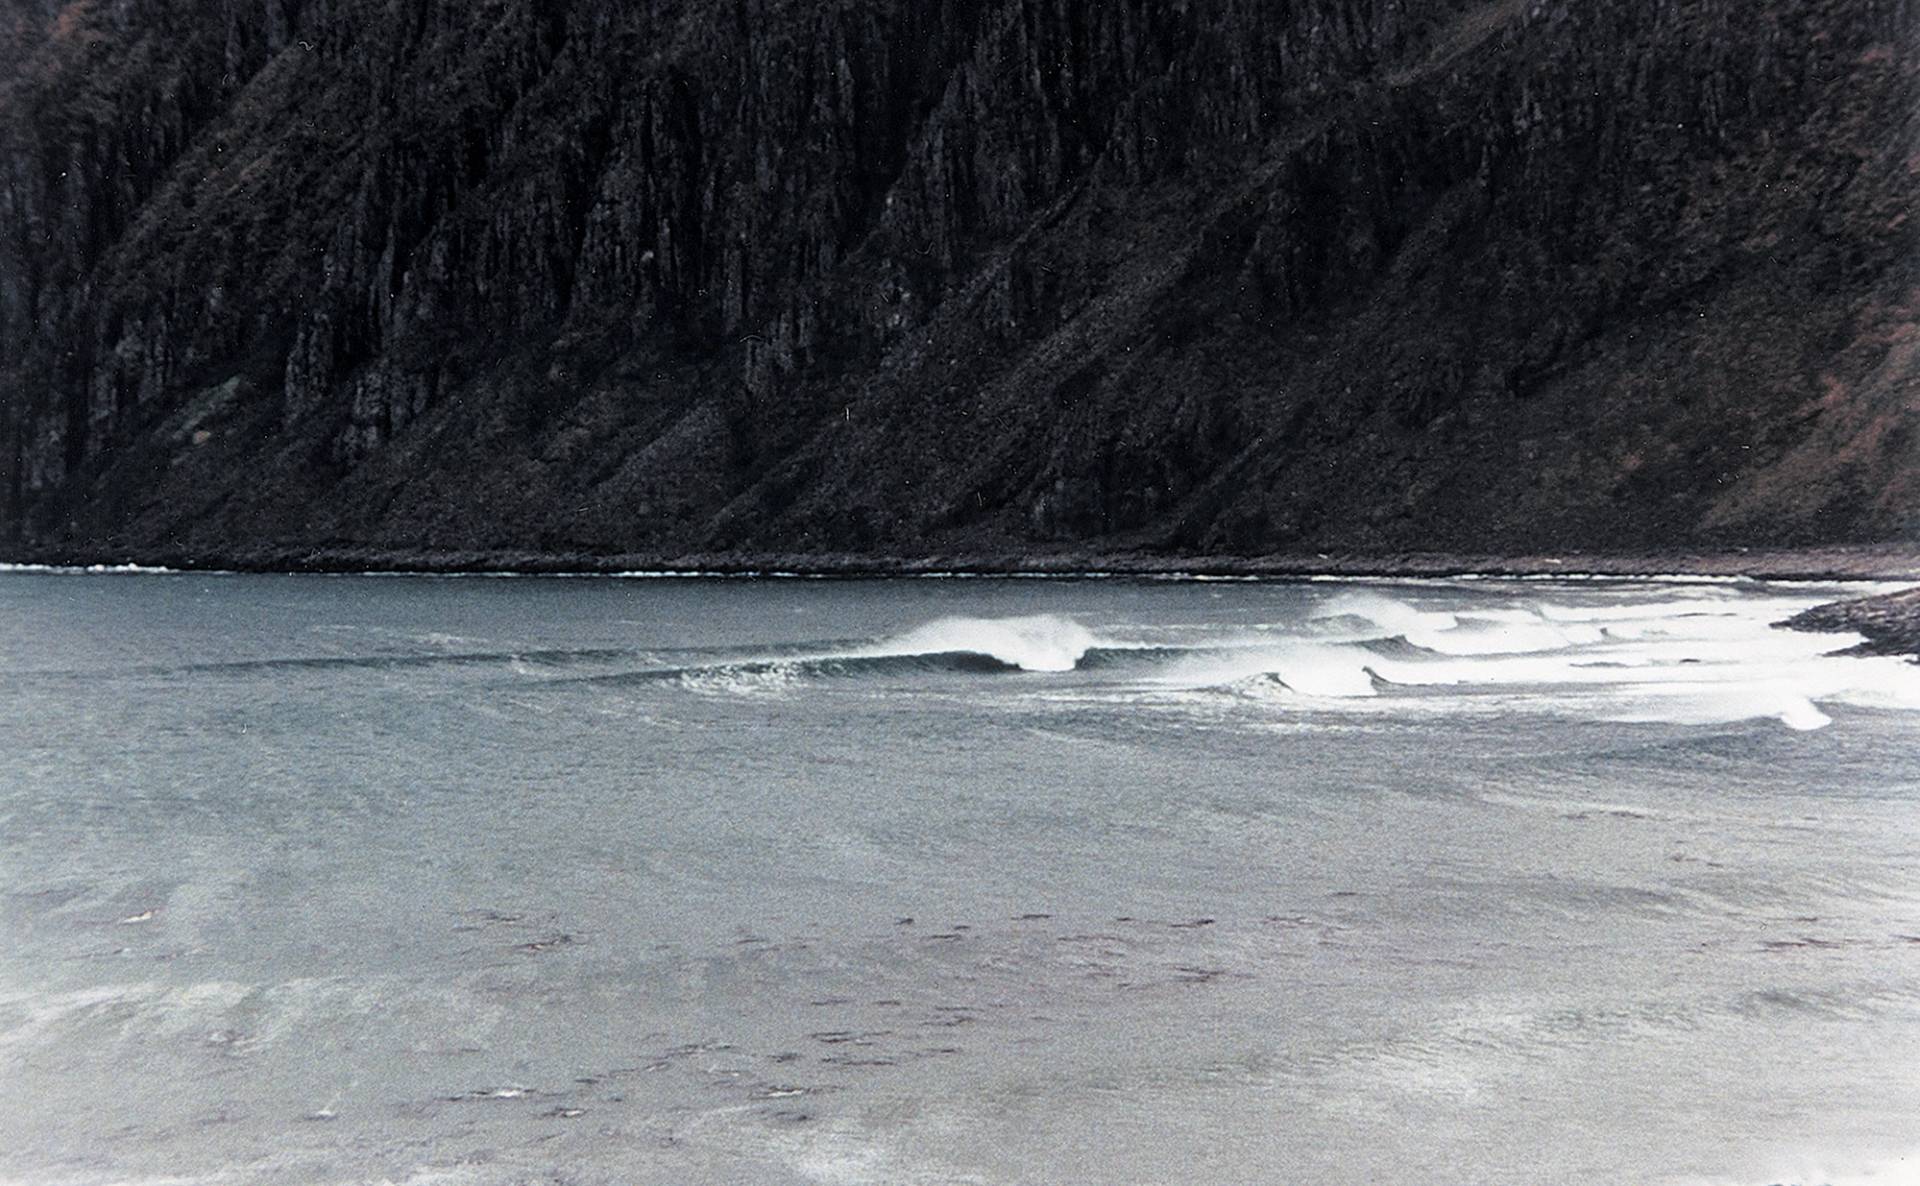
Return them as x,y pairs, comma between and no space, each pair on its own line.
331,880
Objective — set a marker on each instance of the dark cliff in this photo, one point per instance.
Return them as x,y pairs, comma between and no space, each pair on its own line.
743,277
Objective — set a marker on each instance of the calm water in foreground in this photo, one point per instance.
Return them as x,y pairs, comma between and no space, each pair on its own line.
331,880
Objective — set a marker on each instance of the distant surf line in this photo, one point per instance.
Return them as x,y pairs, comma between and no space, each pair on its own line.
1036,575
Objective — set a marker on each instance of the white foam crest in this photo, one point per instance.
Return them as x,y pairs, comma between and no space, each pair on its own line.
208,1179
1651,687
1720,703
1688,661
1392,616
1504,637
1642,611
1745,649
1489,631
1305,668
1041,642
1682,628
24,1018
1903,1170
756,680
1880,682
1460,671
423,1176
89,569
152,1006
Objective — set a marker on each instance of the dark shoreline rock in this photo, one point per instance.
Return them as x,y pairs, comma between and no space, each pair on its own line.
1842,564
1890,622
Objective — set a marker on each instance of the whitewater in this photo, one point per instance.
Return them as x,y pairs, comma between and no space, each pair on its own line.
684,880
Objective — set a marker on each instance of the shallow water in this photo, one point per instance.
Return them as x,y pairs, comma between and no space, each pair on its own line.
335,879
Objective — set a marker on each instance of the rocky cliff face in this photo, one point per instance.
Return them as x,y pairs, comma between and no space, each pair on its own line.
755,276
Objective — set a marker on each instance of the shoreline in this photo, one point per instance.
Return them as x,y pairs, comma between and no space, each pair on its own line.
1863,563
1888,621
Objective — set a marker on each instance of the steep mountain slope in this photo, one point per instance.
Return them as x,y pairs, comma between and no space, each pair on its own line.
772,276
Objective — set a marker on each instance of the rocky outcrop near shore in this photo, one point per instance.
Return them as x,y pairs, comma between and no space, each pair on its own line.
1890,622
746,277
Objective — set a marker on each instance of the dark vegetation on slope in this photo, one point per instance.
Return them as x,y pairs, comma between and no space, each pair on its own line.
904,277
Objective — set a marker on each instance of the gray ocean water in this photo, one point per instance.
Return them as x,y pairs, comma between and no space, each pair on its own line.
413,880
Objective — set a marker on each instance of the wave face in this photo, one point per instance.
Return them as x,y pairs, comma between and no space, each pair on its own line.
1633,655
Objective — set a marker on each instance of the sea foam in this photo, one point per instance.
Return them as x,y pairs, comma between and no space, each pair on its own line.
1042,642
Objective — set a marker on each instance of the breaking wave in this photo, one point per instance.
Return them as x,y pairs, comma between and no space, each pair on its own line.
1709,656
89,569
1043,642
1036,644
